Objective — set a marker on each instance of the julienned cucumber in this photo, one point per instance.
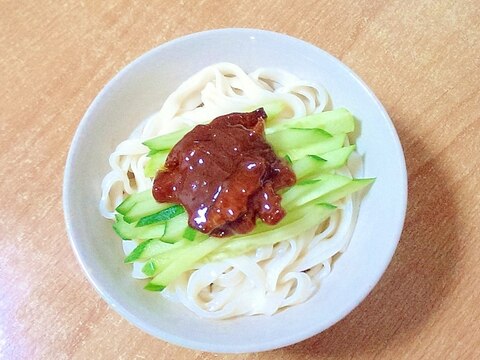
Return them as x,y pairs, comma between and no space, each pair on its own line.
313,145
333,143
158,262
166,267
296,138
132,200
161,216
149,248
338,121
184,260
144,208
308,190
129,231
177,228
312,165
292,224
167,271
167,141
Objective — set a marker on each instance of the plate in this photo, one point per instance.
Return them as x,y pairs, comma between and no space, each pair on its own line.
138,91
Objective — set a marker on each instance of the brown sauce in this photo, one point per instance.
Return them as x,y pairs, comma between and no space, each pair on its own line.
225,175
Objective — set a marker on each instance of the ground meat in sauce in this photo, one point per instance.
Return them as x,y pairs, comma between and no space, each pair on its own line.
225,175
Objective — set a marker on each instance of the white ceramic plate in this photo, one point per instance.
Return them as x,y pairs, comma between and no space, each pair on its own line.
137,92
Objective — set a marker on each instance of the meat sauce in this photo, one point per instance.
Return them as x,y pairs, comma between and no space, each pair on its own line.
225,175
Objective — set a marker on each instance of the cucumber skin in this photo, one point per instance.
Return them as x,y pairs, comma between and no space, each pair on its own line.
131,200
149,248
161,216
333,143
338,121
167,141
311,189
307,165
143,209
185,261
128,231
294,138
292,226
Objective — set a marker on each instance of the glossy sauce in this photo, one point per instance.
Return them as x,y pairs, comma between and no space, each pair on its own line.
225,175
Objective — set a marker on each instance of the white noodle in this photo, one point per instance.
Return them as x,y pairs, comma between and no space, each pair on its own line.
275,276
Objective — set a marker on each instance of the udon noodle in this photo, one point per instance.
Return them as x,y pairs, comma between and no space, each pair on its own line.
273,277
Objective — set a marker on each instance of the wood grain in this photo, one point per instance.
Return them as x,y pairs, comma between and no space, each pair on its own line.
422,59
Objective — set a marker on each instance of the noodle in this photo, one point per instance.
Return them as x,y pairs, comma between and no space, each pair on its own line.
273,277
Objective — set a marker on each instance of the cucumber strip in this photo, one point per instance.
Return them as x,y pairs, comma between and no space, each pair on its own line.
347,189
132,199
186,260
161,216
150,248
333,143
167,141
144,208
338,121
293,225
306,191
190,234
296,138
155,163
153,152
159,262
307,165
176,227
129,231
313,165
337,158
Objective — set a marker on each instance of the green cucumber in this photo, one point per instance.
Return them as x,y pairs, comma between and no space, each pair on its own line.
132,199
161,216
129,231
308,190
338,121
347,189
155,163
186,260
337,158
150,248
293,224
296,138
333,143
158,262
313,165
175,228
190,234
178,229
144,208
307,166
167,141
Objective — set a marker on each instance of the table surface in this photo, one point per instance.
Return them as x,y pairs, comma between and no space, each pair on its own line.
421,58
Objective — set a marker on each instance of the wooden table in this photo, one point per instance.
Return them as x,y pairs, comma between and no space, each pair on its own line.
421,58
